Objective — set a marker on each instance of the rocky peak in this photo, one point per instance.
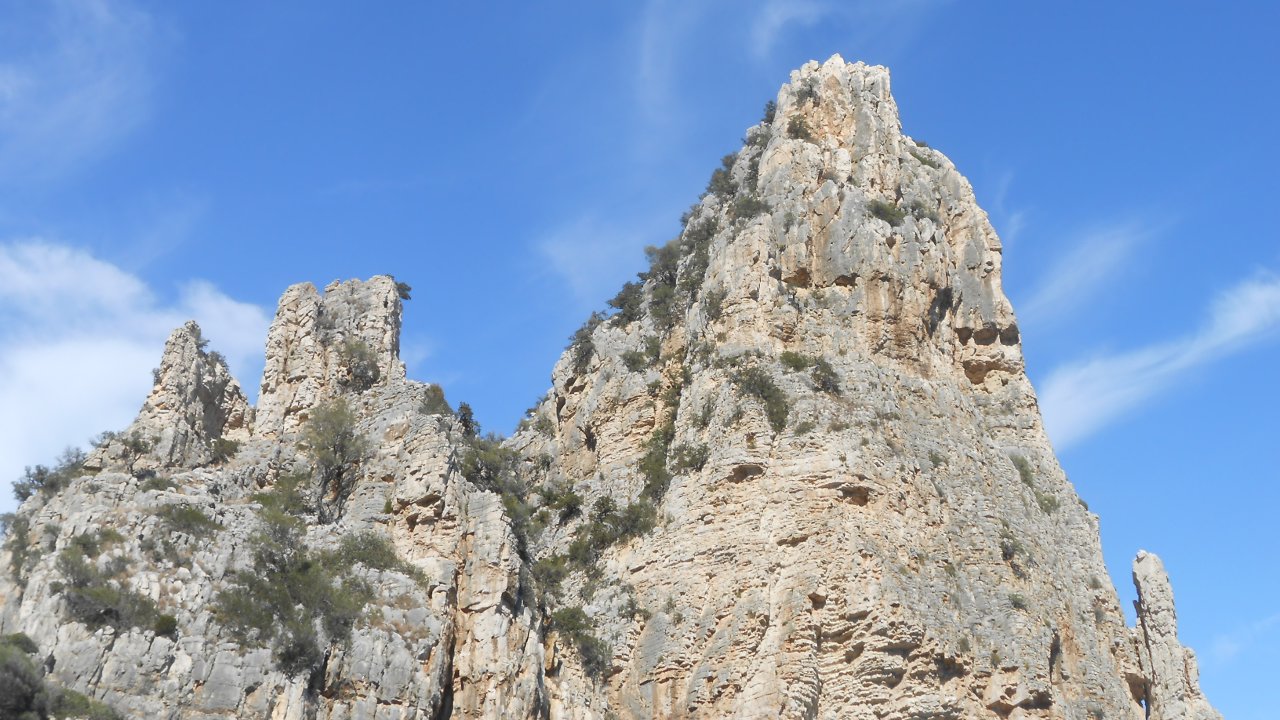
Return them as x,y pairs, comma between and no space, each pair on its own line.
194,403
798,473
321,345
1170,683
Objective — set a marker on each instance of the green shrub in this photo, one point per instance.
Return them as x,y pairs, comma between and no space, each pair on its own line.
714,303
21,642
370,549
798,128
165,626
157,483
16,530
807,91
653,464
629,302
564,500
634,360
662,305
795,361
1010,546
49,481
467,420
433,402
1048,503
361,365
805,427
756,382
1017,601
770,110
26,695
1025,473
581,345
574,625
689,457
745,207
824,377
296,600
721,182
922,210
404,290
887,211
223,450
98,598
93,543
330,438
187,520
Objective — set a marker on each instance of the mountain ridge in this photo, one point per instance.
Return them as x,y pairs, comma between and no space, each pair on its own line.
800,472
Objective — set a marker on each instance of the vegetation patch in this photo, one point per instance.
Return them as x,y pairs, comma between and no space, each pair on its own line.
887,211
574,626
756,382
297,600
187,520
1025,473
335,448
26,695
99,597
360,364
49,481
798,128
222,450
434,402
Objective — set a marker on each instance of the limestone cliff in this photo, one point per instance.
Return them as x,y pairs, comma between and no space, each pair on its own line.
798,473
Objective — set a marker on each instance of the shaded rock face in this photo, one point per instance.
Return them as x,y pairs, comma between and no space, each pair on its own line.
811,415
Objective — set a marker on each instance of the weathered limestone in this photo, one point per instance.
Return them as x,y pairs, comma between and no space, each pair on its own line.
905,547
311,344
194,403
863,519
1172,677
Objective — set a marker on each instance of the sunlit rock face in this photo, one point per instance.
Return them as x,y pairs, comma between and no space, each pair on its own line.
799,473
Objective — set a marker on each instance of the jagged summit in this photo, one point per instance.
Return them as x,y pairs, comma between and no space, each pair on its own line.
797,471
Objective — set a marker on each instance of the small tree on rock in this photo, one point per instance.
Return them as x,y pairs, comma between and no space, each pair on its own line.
336,449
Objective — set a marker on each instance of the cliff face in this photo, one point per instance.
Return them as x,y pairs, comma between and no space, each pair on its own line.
800,473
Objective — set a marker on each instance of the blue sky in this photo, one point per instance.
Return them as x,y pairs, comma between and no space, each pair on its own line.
165,161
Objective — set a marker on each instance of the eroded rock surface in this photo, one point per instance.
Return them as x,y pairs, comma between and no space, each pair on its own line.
800,473
195,402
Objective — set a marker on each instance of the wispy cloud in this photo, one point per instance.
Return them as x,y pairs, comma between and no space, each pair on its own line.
664,27
1008,220
78,337
1079,399
774,18
1227,647
593,257
75,77
1094,260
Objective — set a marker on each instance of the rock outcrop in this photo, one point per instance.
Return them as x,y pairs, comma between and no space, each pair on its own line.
321,345
799,473
195,403
1170,676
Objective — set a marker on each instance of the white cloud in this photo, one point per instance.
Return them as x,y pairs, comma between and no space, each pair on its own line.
75,77
775,16
1081,398
664,26
593,257
78,338
1093,261
1227,647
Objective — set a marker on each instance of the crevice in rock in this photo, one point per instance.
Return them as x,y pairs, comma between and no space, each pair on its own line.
744,471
